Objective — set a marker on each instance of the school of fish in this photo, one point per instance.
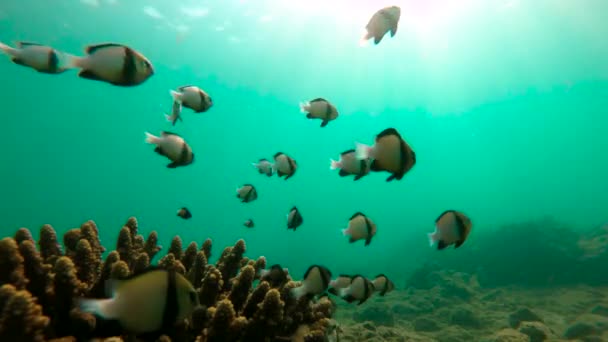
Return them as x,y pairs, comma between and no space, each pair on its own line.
129,304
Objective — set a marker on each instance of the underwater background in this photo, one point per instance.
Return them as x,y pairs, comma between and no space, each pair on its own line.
505,103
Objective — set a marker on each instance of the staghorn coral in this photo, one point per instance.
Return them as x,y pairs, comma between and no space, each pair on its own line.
40,289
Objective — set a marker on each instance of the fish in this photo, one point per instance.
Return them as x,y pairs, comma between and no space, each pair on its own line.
451,227
247,193
350,165
390,153
360,289
382,284
360,227
172,146
147,302
319,108
249,223
339,283
41,58
115,64
294,219
192,97
383,21
275,276
176,111
184,213
284,165
264,167
314,283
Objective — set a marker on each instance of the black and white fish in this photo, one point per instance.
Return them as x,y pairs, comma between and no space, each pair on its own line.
249,223
41,58
451,227
360,227
341,282
315,282
184,213
360,289
350,165
294,219
264,167
176,111
247,193
275,276
192,97
390,153
113,63
382,284
173,147
383,21
319,108
284,165
146,302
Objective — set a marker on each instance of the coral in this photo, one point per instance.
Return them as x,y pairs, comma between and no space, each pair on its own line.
40,289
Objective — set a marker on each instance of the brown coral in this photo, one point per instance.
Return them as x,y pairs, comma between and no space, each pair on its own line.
41,287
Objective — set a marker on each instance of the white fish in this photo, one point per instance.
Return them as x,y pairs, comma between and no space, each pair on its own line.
341,282
315,282
451,227
173,147
350,165
176,111
319,108
39,57
382,284
383,21
294,219
390,153
113,63
193,97
264,167
360,227
247,193
359,289
284,165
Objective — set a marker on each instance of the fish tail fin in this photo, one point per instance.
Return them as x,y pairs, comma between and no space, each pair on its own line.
304,107
177,96
101,307
152,139
345,231
254,165
69,61
7,49
432,238
364,40
333,165
362,151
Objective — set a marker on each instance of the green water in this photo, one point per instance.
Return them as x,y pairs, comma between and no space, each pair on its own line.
504,102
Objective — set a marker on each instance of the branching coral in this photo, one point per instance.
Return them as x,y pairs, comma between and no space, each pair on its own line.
39,290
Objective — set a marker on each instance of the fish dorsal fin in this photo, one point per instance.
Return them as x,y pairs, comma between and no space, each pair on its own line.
388,132
276,155
358,213
186,86
166,133
380,275
347,152
91,49
319,99
345,276
262,160
444,213
25,44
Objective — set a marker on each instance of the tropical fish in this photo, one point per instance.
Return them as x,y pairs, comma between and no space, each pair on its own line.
451,227
319,108
284,165
193,97
176,111
264,167
390,153
184,213
249,223
275,276
247,193
146,302
350,165
382,284
315,282
341,282
41,58
173,147
360,227
359,289
113,63
383,21
294,219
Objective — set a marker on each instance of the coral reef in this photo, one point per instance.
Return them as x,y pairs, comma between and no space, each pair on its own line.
39,289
